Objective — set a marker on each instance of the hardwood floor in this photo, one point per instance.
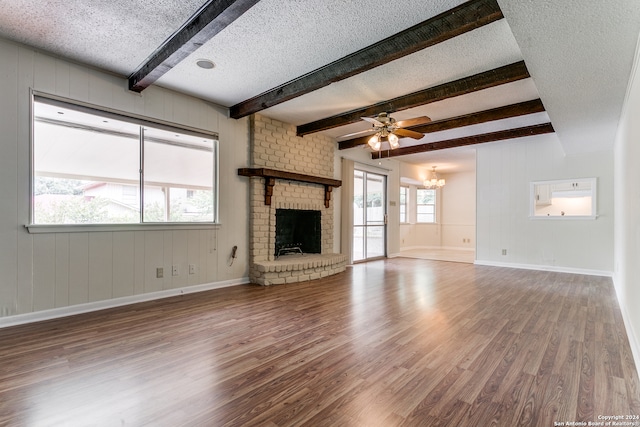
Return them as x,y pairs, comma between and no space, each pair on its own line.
400,342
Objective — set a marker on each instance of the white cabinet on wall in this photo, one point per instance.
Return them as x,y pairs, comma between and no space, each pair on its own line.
543,195
572,185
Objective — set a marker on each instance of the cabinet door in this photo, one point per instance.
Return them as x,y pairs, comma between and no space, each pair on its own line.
582,185
543,195
563,186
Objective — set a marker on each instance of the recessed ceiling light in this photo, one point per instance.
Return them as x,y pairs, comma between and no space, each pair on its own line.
205,63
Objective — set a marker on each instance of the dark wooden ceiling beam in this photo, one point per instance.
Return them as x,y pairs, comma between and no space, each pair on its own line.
508,111
213,17
465,85
468,140
466,17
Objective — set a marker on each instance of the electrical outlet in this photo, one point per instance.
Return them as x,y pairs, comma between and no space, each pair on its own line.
159,273
174,270
192,269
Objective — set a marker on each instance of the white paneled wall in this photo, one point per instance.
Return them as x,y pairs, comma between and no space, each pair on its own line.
627,210
56,270
504,172
458,210
76,268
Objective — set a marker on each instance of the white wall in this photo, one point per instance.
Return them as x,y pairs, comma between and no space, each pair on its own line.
56,270
458,215
627,208
504,172
455,211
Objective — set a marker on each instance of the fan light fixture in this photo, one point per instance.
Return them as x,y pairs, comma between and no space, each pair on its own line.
393,141
434,182
375,142
386,128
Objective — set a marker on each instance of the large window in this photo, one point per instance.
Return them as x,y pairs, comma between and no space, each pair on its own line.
426,205
404,199
97,167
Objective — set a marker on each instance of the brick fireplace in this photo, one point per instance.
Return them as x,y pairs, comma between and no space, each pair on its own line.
275,146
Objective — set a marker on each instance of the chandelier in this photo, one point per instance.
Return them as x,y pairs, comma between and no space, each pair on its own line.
433,183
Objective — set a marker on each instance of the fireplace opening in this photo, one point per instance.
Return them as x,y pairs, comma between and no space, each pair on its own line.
298,231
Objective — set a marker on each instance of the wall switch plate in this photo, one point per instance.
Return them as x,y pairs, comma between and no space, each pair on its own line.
192,269
159,273
174,270
504,252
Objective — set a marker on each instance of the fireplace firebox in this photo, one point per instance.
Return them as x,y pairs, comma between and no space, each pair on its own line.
298,231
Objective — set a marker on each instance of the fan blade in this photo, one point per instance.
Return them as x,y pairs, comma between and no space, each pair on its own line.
413,122
374,121
357,133
408,133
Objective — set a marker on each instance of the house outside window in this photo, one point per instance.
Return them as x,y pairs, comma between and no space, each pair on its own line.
425,205
98,167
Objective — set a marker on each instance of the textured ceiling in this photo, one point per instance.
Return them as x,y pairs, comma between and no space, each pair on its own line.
579,55
115,35
277,41
483,49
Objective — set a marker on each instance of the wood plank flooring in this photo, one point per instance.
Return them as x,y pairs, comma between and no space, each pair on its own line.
399,342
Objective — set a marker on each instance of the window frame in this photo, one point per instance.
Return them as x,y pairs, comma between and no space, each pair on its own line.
434,204
405,205
36,96
534,186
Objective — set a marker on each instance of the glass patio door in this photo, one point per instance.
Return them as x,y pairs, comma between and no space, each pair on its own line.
369,215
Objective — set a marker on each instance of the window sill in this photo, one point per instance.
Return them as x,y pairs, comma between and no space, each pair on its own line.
84,228
563,218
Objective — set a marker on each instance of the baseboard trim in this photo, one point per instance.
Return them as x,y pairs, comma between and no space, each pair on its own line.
458,248
455,248
55,313
554,268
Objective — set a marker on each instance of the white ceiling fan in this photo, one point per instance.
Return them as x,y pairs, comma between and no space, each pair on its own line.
386,127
